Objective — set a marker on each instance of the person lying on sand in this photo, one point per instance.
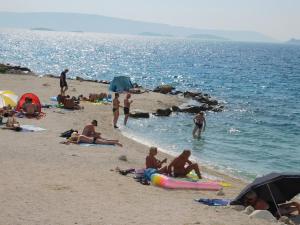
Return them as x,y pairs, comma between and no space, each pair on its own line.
181,165
152,162
258,203
79,138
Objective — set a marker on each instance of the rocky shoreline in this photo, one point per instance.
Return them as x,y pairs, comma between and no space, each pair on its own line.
206,102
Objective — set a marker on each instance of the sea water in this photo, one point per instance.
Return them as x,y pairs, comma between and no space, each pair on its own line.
259,84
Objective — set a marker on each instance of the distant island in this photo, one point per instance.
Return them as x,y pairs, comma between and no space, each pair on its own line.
42,29
208,37
294,41
49,21
155,34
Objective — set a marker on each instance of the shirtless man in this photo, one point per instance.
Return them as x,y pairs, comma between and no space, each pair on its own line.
178,166
63,82
89,130
116,106
152,162
127,104
95,137
200,124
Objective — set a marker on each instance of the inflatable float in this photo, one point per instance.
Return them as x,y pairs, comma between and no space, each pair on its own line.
173,183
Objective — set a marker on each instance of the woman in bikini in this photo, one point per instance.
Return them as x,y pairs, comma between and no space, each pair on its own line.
200,124
116,106
79,138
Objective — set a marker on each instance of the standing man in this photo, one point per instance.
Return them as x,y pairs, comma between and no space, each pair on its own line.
127,104
63,82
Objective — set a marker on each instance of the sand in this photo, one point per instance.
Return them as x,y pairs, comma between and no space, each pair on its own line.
45,182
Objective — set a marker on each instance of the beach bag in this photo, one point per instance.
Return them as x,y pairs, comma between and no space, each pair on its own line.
67,133
148,172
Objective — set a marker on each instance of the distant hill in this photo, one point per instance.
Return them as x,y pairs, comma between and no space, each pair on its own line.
208,37
41,29
294,41
103,24
154,34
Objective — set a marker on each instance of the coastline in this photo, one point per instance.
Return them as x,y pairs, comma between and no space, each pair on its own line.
41,175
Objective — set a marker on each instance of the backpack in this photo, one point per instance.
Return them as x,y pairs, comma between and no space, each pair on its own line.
67,133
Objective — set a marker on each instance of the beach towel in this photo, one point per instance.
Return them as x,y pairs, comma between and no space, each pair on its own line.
31,128
213,202
91,145
54,98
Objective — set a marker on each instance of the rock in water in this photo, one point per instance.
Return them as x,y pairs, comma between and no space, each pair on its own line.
163,112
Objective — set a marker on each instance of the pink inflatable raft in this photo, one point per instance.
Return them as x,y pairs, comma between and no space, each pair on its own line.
173,183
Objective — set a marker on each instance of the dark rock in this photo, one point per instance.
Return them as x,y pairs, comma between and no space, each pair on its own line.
51,76
139,115
163,112
7,68
192,109
188,94
206,107
205,99
218,108
164,89
175,108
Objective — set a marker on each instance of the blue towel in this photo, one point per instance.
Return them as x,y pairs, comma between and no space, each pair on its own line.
213,202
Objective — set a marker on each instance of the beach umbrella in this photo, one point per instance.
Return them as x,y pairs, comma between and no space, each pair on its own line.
8,98
274,187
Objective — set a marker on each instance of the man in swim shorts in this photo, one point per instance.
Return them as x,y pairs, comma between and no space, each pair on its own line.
181,165
63,82
127,104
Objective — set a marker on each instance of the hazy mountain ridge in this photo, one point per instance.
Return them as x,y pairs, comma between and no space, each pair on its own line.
293,41
103,24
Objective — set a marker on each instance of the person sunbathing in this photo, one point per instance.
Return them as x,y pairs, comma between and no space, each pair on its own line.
89,131
252,199
77,138
152,162
181,165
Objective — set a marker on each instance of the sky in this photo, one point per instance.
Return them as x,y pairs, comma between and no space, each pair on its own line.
279,19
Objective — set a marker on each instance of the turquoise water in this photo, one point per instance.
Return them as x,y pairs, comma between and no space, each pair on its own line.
258,82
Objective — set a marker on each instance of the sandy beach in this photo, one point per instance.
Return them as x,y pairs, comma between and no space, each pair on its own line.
45,182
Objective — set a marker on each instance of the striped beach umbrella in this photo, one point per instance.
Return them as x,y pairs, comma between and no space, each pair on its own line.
8,98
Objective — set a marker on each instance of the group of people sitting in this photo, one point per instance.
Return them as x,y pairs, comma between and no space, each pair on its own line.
90,136
69,102
181,166
28,109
